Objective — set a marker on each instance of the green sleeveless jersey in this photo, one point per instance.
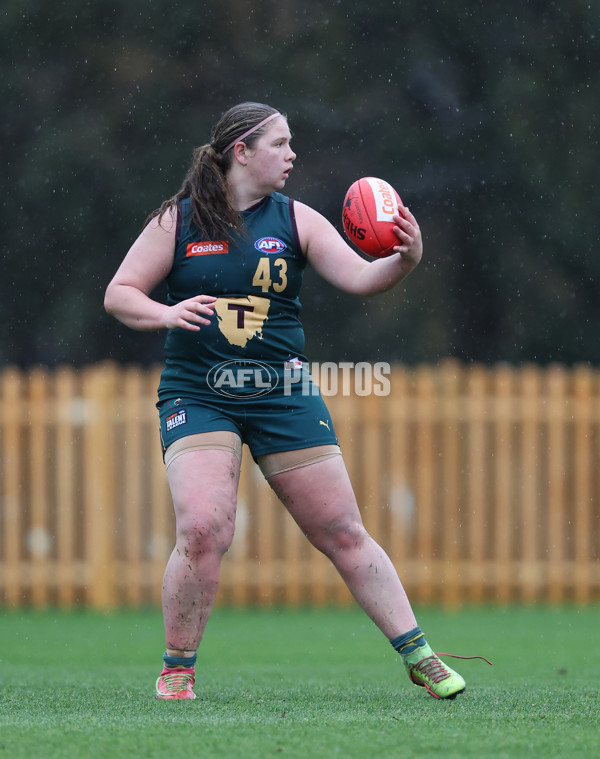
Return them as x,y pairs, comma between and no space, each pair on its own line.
256,277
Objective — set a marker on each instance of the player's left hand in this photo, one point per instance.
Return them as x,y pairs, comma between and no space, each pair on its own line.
408,233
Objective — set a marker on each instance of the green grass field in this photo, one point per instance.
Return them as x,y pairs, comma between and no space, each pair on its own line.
309,683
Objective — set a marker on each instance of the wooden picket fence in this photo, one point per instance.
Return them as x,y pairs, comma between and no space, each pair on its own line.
483,485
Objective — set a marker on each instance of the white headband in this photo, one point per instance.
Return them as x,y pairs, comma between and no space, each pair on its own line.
250,131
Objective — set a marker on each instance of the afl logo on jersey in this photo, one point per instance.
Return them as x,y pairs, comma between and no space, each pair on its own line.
270,245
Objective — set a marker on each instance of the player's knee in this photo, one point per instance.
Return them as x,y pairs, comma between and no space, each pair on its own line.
204,538
341,534
200,535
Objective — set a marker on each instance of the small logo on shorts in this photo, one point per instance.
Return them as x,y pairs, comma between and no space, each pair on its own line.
236,379
176,419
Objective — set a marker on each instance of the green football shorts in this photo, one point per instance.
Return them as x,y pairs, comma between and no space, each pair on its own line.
269,423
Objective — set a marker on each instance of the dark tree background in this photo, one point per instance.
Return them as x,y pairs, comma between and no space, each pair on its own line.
483,115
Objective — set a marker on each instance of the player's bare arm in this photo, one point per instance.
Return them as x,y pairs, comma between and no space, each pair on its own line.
343,267
147,263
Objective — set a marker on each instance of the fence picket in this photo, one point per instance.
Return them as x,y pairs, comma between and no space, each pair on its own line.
66,422
451,512
582,477
502,520
556,416
528,506
477,475
425,478
13,426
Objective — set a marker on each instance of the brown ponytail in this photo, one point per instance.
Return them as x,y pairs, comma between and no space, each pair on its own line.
205,182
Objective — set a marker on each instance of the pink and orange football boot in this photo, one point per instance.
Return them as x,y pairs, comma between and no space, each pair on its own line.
176,683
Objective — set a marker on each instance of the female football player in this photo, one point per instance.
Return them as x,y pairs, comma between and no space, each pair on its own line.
232,249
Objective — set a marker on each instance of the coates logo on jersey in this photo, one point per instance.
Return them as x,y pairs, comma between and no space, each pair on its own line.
208,248
270,245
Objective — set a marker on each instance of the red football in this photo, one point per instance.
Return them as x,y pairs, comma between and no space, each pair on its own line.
369,206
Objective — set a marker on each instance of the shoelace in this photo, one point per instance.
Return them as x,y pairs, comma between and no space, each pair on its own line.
436,670
456,656
177,681
432,668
